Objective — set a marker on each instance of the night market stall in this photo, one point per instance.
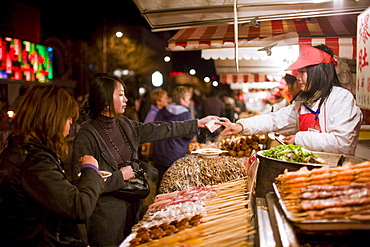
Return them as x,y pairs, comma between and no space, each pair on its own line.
276,202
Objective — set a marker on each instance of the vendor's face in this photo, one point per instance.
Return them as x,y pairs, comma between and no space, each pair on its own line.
119,99
302,79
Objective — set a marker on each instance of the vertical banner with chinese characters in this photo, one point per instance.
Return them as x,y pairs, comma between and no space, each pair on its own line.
363,68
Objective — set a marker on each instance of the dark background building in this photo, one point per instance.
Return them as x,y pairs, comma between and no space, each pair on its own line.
78,31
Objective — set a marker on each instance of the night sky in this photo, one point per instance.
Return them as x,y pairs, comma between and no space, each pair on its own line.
78,20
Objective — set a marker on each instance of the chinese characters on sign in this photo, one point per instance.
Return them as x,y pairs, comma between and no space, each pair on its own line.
363,54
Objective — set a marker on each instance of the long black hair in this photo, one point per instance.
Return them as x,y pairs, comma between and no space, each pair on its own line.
321,77
101,93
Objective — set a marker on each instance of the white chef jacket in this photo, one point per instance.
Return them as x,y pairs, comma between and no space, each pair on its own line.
340,121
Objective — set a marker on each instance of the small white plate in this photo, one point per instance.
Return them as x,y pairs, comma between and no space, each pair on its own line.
105,174
209,152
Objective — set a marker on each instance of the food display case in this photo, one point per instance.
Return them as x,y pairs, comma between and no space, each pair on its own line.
337,216
275,230
270,168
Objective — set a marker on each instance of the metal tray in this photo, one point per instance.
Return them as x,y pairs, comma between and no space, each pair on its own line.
269,168
321,225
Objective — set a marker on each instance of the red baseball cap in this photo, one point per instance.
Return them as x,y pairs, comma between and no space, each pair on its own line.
309,55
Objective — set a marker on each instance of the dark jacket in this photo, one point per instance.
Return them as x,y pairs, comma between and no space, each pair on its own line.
168,151
106,225
213,105
37,201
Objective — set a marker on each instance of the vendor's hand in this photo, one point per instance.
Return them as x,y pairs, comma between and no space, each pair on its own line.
127,172
231,129
289,139
88,159
202,122
223,121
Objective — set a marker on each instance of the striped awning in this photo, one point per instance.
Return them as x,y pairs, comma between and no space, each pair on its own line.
342,47
338,32
235,78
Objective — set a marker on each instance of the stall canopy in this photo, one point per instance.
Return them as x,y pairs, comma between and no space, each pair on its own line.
338,32
254,65
165,15
230,78
278,37
262,24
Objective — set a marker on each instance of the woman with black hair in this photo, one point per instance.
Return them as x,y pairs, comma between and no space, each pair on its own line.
114,140
324,117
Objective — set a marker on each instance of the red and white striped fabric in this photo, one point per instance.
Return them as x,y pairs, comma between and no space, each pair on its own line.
235,78
342,47
338,32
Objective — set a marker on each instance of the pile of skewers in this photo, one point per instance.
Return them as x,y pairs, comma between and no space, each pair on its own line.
192,171
327,192
196,217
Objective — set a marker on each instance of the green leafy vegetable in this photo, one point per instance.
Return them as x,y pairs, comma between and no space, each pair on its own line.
292,153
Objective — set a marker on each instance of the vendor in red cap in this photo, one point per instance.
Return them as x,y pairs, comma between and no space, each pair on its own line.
324,117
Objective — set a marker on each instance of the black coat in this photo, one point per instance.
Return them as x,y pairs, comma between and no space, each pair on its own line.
107,223
38,203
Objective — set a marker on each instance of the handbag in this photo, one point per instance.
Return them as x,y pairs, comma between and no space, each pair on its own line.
137,187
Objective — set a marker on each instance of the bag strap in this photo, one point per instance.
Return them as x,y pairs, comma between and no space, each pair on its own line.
151,171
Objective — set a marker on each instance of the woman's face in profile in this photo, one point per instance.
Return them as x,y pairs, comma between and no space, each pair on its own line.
302,78
119,99
67,127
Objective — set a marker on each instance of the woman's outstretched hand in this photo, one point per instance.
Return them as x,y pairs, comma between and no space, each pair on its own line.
230,128
202,122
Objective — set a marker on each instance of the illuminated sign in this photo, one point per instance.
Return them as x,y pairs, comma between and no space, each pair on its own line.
175,73
23,60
